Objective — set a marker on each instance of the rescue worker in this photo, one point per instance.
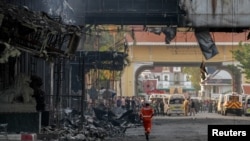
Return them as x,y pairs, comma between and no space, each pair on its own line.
146,114
186,107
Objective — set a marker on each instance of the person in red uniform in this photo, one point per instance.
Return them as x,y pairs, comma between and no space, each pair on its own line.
146,115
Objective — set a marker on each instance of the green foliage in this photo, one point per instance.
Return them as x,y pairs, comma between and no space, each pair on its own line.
195,76
243,56
102,38
234,69
106,38
106,42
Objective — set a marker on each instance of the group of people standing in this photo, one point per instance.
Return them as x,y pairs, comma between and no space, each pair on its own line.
129,103
193,106
158,106
189,107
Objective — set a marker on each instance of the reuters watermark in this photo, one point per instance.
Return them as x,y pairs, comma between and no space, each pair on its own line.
228,131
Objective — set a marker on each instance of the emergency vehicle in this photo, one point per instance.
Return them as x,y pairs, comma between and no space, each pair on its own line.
157,96
247,106
174,104
232,103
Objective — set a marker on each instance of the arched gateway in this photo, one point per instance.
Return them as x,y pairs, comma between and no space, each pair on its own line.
149,50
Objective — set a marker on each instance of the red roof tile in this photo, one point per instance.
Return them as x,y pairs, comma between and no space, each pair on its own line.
246,88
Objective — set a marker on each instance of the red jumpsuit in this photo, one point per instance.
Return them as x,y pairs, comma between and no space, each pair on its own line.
146,115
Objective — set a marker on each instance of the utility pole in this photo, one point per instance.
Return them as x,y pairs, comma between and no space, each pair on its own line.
83,97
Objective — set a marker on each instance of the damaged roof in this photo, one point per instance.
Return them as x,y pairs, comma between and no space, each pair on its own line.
36,32
105,60
47,37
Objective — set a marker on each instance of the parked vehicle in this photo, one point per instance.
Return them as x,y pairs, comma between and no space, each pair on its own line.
156,96
247,106
232,103
174,104
157,101
243,101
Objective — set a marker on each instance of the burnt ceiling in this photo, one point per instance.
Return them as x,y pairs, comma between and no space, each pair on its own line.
107,60
179,13
36,32
47,37
53,28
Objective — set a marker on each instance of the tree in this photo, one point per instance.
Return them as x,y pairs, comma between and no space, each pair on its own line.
106,38
243,56
195,76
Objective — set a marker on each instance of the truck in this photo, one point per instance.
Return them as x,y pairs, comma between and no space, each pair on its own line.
230,103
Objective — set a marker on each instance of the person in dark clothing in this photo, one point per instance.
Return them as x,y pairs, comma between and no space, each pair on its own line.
192,108
119,102
133,104
127,103
162,108
39,95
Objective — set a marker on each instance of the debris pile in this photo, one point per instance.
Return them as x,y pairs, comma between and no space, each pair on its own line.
105,123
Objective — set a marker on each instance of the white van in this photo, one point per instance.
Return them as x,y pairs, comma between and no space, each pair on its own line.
230,103
247,106
156,96
175,104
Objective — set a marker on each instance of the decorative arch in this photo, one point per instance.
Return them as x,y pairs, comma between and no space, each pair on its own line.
236,75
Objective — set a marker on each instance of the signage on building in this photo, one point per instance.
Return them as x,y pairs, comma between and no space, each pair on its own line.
149,85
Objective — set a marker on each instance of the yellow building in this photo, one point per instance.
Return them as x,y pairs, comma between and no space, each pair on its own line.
148,50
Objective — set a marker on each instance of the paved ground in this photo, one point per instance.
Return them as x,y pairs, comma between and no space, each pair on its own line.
179,128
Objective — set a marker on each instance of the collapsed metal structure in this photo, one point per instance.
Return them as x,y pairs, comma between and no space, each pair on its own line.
35,43
41,37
